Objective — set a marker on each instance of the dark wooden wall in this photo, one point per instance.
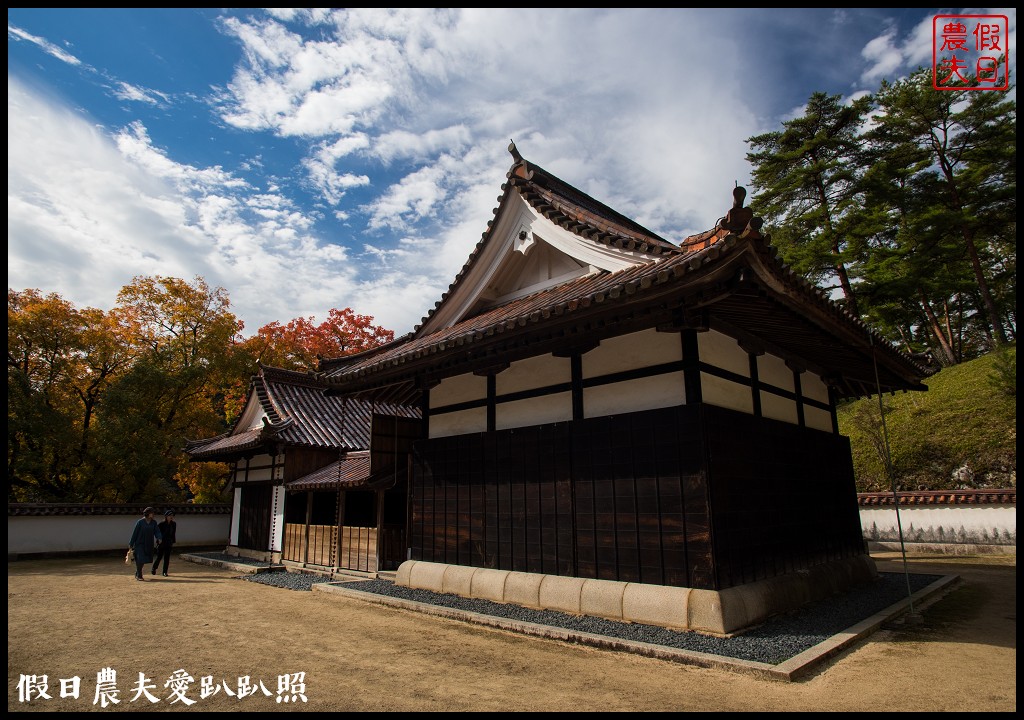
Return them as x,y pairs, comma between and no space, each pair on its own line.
694,496
301,461
391,440
255,516
784,502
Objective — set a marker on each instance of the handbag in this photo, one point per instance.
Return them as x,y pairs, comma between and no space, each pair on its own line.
130,557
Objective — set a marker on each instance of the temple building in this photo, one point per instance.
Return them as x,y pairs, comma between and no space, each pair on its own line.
616,424
317,481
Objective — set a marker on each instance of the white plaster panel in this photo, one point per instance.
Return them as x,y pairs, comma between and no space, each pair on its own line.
647,393
236,513
458,423
817,418
461,388
812,387
254,468
778,408
259,474
533,411
722,352
629,352
773,371
533,373
725,393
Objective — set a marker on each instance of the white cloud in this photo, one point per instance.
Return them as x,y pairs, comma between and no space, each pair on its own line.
307,88
883,54
124,91
443,91
87,213
411,199
134,144
917,49
47,46
320,166
402,144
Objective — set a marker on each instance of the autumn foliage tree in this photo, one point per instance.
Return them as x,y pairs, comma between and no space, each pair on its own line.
186,335
100,404
60,363
302,343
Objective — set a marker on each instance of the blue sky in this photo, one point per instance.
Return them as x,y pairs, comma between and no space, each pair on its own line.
311,159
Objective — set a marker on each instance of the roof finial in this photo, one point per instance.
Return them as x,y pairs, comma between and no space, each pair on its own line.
515,152
735,221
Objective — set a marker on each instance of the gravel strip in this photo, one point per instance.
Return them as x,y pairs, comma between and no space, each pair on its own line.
288,580
773,642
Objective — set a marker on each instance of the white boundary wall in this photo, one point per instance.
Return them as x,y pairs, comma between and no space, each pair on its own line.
994,524
83,533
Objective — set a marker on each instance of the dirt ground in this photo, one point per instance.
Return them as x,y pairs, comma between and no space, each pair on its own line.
75,617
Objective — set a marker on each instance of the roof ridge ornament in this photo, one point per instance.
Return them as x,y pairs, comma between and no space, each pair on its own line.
519,167
740,220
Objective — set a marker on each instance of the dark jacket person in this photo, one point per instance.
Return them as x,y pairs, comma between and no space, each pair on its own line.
168,528
145,535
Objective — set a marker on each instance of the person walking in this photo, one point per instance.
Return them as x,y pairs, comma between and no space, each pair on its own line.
167,532
145,535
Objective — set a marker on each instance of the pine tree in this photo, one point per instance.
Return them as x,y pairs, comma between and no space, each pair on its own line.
806,186
966,142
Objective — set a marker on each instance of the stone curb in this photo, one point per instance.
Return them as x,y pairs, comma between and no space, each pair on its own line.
243,568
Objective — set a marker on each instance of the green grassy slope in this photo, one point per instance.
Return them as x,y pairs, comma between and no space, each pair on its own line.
961,433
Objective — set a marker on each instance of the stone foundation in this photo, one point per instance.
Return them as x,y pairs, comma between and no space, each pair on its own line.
724,612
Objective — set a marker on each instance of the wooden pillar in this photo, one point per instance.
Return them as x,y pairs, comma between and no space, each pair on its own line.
380,526
691,367
492,409
309,517
799,399
755,385
341,528
576,370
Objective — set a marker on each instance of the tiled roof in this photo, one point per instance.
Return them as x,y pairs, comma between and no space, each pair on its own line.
351,473
226,443
577,212
655,280
299,413
347,473
1001,496
47,509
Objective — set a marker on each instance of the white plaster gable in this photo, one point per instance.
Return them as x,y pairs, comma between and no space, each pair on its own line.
252,415
526,253
536,267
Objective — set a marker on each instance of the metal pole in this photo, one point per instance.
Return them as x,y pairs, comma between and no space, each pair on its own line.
891,473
